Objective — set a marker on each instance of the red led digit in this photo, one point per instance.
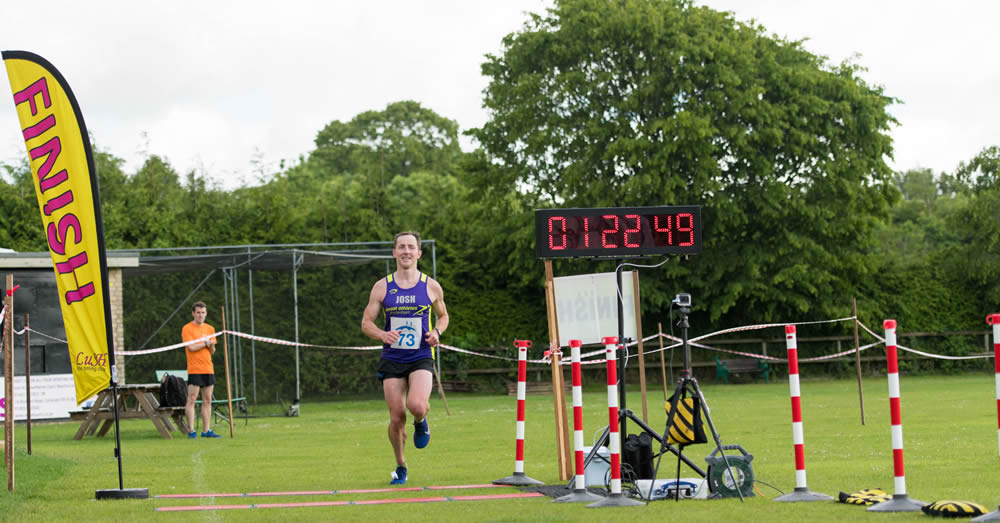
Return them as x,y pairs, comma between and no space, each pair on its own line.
688,229
586,232
562,234
669,229
637,229
605,232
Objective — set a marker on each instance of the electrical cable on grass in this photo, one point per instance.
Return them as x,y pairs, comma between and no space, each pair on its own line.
629,477
756,480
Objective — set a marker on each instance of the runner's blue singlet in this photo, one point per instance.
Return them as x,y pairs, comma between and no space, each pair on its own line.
409,312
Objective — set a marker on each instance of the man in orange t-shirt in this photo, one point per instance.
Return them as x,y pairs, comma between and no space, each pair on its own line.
201,373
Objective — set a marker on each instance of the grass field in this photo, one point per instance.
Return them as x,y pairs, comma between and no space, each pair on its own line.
949,430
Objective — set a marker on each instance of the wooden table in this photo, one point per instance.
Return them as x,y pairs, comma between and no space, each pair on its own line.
134,401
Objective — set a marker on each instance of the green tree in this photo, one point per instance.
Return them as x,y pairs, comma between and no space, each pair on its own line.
920,221
651,102
982,171
380,145
977,253
20,222
403,138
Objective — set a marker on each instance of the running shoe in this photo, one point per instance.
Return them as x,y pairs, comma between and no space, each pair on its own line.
192,435
421,433
210,434
398,476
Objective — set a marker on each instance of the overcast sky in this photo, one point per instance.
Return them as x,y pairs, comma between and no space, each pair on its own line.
231,88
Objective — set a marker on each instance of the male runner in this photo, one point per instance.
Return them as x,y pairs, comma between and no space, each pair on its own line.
406,297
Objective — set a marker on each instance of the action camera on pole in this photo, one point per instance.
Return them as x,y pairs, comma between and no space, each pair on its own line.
683,300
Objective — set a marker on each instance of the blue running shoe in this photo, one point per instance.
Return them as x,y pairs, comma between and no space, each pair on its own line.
398,476
192,435
210,434
421,434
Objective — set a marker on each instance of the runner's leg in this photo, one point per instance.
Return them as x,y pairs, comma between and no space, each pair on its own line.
419,396
394,390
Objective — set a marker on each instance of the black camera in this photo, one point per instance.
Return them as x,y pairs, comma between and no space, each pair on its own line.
683,300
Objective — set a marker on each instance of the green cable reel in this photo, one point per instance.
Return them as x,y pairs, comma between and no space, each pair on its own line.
720,483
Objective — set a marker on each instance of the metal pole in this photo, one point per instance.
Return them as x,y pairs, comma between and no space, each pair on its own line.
622,353
27,377
295,300
230,312
253,346
225,294
237,352
434,272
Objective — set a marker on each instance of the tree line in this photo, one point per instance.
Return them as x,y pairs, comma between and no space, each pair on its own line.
591,104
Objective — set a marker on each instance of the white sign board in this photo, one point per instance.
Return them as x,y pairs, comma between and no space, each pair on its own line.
52,396
587,307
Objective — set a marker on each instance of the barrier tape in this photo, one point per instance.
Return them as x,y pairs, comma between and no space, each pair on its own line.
926,354
29,329
493,356
546,360
297,344
171,347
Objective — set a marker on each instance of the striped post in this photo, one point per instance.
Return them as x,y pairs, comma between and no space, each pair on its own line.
900,501
994,320
801,492
580,493
614,436
519,478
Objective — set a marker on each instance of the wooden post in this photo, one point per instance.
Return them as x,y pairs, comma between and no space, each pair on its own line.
441,390
638,335
229,391
663,364
564,460
27,378
857,358
8,375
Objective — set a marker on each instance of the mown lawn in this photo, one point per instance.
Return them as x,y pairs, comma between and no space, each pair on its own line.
949,428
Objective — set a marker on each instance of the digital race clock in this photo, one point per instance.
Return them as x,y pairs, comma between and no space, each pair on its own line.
617,232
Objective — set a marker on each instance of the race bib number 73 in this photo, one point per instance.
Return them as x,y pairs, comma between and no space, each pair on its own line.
409,330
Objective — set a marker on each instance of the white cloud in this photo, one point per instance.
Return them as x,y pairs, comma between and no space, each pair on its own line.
212,85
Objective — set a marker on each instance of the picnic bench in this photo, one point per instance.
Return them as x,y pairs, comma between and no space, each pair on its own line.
134,401
757,367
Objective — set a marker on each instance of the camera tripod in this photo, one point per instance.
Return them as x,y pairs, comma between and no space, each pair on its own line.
687,386
624,415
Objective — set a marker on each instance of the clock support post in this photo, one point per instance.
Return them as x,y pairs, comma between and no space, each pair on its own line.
564,457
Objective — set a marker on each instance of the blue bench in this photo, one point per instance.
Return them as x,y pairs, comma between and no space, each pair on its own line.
723,368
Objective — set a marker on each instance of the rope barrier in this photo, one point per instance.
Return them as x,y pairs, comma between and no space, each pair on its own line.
585,358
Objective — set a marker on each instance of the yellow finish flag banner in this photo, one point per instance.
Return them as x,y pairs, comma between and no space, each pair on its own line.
68,199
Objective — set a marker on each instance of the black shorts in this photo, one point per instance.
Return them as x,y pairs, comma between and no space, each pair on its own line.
201,380
394,369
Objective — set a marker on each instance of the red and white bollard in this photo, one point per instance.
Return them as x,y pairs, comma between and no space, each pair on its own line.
900,501
615,499
994,320
518,478
580,492
801,492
